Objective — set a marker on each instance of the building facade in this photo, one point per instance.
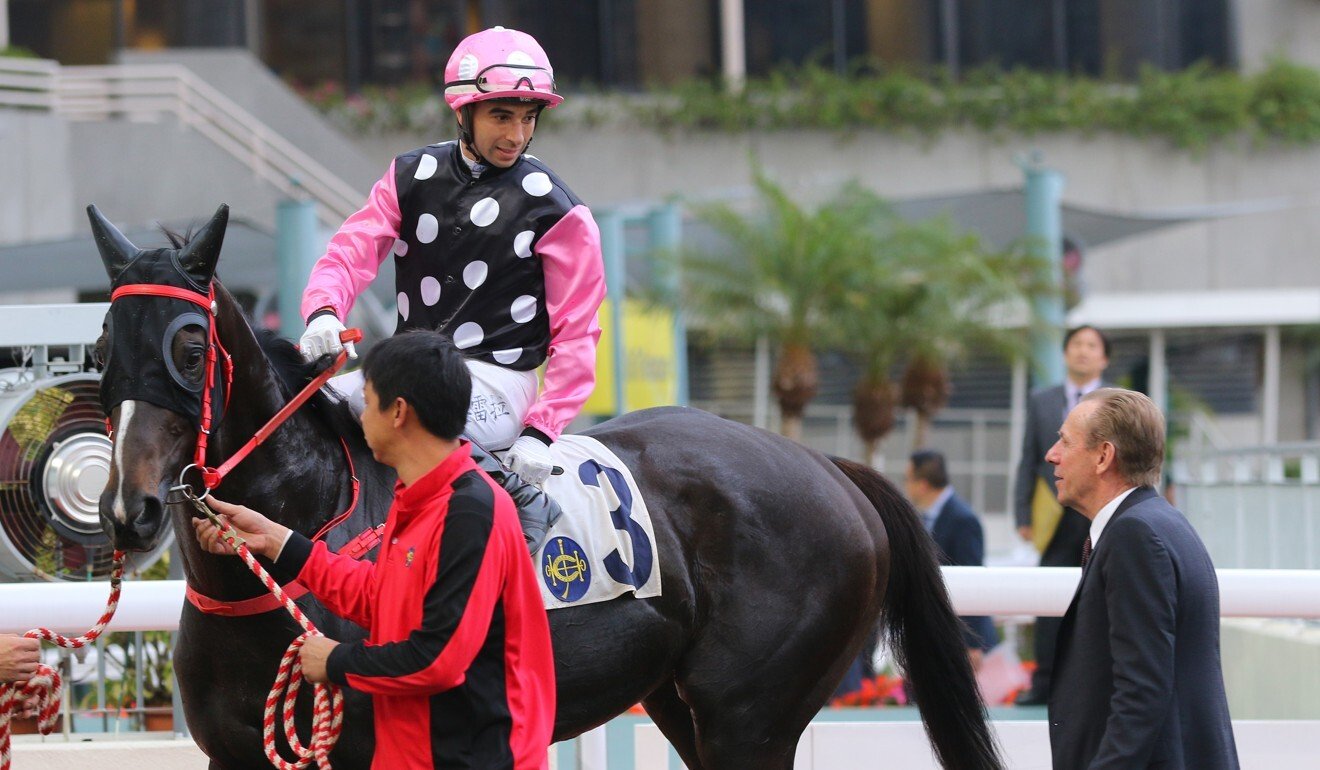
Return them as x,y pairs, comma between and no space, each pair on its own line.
632,44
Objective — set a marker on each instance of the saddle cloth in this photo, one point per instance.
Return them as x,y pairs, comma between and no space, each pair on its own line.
604,545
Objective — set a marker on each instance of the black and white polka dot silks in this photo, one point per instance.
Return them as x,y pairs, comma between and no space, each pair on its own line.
464,259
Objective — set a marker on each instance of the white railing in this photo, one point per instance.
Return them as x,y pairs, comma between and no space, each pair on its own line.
1025,745
1002,591
1035,591
149,92
28,83
1255,507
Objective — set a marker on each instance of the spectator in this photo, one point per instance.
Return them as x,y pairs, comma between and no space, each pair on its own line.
1057,533
956,530
1138,681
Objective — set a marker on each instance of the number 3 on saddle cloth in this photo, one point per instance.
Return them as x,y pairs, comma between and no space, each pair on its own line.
603,546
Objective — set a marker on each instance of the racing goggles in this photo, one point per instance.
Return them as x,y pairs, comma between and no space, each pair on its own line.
503,78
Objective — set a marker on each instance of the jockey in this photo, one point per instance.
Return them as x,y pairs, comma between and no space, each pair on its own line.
491,248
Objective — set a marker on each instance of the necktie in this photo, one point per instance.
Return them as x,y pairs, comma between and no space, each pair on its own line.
1086,551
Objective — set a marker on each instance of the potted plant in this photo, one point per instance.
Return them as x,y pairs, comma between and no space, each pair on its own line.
122,654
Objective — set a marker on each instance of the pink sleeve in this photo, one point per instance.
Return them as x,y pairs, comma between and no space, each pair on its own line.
353,257
574,287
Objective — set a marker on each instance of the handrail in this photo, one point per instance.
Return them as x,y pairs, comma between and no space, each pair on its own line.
1037,591
27,83
148,91
1289,448
1248,464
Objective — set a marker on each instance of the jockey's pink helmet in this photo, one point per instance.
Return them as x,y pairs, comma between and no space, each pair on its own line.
499,63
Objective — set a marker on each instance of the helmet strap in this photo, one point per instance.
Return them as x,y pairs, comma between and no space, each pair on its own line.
464,117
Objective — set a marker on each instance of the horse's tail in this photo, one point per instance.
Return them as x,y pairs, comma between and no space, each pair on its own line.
925,635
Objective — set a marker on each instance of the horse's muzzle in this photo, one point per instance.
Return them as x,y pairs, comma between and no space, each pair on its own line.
144,516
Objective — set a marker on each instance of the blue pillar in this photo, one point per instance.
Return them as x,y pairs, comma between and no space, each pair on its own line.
298,247
1044,193
667,235
612,249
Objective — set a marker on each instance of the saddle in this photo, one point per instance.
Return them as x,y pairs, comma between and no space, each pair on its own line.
605,546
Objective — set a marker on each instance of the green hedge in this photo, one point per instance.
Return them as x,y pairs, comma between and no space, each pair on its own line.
1190,109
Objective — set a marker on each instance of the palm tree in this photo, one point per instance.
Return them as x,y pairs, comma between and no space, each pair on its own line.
781,276
967,292
879,305
929,297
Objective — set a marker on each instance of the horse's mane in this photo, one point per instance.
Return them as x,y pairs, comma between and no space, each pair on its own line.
177,239
295,373
377,487
289,365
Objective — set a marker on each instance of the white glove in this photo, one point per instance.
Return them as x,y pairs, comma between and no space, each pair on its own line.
530,459
322,337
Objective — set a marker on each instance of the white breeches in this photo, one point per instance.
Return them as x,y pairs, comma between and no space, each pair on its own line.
501,399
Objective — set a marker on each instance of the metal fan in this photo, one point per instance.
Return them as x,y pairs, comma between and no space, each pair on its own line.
54,464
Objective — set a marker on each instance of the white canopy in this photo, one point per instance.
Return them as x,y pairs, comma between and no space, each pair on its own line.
1254,308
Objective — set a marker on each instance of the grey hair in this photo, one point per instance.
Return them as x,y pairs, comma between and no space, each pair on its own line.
1132,423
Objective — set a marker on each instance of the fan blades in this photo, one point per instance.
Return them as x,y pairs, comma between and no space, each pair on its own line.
54,462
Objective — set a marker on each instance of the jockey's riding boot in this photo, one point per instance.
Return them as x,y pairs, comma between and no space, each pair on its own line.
537,511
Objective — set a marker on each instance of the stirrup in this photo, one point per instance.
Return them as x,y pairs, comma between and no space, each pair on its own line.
537,511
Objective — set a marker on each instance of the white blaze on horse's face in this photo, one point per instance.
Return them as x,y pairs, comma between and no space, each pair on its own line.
125,420
154,370
151,446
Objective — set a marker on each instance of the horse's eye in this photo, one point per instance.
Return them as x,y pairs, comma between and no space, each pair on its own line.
194,359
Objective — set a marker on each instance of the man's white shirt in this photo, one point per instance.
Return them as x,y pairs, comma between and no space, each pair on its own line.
1106,513
1073,393
936,507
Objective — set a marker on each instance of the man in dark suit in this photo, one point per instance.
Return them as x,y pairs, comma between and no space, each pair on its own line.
955,529
1085,355
1138,682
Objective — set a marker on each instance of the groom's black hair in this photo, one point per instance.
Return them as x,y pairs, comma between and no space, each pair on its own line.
425,369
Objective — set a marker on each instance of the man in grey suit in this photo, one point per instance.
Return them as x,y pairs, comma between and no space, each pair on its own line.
1138,682
1085,355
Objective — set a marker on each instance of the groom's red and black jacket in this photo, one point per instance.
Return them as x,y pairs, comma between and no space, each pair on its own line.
458,657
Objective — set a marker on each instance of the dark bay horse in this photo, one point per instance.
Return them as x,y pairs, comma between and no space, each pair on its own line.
776,561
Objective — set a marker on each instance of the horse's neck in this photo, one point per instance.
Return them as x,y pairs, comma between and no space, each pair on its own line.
297,477
300,467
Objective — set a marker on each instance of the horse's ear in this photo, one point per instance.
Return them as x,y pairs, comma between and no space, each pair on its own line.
203,251
116,250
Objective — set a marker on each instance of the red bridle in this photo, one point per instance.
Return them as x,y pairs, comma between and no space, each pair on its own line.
213,345
212,477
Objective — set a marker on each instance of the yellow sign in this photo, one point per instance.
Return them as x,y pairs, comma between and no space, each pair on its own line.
650,360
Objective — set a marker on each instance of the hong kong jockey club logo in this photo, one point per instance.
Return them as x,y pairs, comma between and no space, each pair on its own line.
565,569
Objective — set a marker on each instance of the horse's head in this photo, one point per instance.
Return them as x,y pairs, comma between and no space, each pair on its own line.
153,351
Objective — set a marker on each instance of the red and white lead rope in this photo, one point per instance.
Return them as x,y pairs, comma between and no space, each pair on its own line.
45,685
327,701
